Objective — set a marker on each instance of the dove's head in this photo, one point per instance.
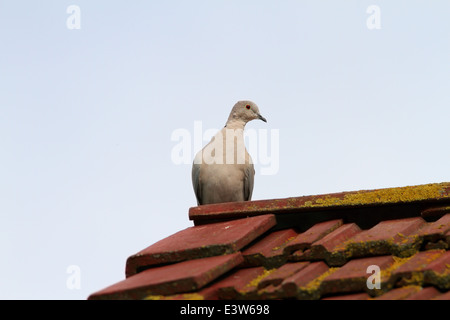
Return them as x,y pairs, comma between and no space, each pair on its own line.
245,111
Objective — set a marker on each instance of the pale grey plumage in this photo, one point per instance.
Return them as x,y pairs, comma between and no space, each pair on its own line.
223,170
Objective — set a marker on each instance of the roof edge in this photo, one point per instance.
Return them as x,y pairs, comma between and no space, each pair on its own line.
434,193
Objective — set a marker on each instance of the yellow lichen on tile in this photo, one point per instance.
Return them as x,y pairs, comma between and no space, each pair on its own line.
404,194
184,296
257,280
386,273
380,196
308,204
315,284
155,297
192,296
415,278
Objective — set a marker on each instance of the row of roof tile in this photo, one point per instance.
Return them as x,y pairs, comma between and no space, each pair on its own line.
313,280
317,250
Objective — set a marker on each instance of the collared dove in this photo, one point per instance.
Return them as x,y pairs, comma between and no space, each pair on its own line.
223,170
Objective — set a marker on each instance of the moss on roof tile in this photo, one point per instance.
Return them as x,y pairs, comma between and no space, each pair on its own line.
380,196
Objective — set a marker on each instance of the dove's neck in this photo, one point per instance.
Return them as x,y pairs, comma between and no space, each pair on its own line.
235,124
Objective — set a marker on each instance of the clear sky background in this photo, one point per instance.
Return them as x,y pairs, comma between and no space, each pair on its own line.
87,176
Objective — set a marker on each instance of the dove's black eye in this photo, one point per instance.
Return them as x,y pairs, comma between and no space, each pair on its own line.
248,106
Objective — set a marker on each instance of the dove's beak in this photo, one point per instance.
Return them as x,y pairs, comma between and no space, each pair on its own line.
260,117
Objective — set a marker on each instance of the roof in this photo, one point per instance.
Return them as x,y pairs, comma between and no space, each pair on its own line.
312,247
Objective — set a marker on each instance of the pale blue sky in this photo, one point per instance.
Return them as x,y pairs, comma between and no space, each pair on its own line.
86,116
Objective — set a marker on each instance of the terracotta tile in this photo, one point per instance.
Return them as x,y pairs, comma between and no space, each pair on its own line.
201,241
399,293
441,265
228,286
268,251
435,211
355,296
437,272
171,279
301,255
390,229
331,247
207,293
424,294
241,284
387,237
211,292
335,239
279,275
427,267
440,226
353,276
270,292
305,282
418,262
306,239
181,296
443,296
434,234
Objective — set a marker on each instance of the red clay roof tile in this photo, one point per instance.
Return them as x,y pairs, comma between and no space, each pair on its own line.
268,251
353,276
235,283
394,230
305,283
280,274
424,294
443,296
419,262
331,248
201,241
166,280
354,296
306,239
335,239
435,211
438,272
386,237
241,284
436,231
399,293
430,267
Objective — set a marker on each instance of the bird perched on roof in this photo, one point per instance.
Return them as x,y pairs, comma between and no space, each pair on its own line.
223,170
